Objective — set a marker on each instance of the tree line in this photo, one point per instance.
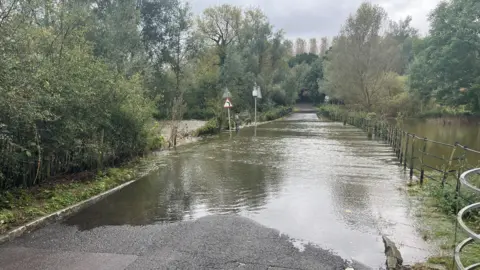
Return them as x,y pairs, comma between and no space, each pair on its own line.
82,82
379,65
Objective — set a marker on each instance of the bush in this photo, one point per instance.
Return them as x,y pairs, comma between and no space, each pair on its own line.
446,201
276,113
330,110
442,111
210,128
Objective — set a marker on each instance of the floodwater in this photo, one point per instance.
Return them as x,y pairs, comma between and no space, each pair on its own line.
317,181
465,131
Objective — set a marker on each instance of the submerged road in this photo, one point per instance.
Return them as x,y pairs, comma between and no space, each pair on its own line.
301,193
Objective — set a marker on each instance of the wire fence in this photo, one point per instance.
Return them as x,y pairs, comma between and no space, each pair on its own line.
27,164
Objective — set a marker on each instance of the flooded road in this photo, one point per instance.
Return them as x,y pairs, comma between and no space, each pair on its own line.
313,180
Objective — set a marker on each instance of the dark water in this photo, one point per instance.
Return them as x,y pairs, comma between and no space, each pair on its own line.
316,181
465,131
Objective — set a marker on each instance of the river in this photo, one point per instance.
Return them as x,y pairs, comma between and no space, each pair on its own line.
465,131
317,181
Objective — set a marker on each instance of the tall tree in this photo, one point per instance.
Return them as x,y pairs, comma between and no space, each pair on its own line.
221,25
405,35
449,66
179,48
300,46
323,46
289,47
313,46
363,59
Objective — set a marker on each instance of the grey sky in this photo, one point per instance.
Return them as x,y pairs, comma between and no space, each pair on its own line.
317,18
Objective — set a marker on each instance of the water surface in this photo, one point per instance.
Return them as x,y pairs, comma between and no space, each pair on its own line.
314,180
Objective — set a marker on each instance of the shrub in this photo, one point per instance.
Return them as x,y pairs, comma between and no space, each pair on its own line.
276,113
210,128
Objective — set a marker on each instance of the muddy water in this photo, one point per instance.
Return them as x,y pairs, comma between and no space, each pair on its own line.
314,180
465,131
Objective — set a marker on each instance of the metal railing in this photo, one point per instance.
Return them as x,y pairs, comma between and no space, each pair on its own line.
473,237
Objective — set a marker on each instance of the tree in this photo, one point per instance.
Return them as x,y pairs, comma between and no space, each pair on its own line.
288,44
362,59
448,66
298,59
405,35
63,107
300,46
323,46
158,26
221,25
313,46
115,34
179,48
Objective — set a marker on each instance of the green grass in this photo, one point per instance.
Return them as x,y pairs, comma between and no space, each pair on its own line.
20,206
436,211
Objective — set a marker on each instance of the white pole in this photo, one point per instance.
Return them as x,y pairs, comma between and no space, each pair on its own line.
255,111
229,126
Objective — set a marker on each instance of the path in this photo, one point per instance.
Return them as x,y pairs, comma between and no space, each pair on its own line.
279,198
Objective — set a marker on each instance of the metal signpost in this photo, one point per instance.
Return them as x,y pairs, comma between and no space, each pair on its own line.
256,93
228,105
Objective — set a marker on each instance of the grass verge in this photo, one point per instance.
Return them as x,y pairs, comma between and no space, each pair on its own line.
20,206
435,208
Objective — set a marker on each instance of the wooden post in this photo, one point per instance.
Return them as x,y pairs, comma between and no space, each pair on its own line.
412,157
422,162
406,152
400,147
449,165
397,142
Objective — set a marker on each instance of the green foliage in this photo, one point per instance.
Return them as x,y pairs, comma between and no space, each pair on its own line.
62,100
307,58
446,201
442,111
276,113
210,128
446,64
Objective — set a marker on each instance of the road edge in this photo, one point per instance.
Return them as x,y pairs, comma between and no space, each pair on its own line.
61,214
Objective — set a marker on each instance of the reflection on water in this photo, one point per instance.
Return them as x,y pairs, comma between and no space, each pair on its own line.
314,180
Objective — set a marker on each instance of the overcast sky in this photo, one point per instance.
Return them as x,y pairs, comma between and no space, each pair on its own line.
317,18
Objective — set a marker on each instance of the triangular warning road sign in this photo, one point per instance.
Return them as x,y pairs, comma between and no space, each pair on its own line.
228,104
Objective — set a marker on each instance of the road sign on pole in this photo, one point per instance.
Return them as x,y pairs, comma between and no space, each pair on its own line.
228,103
256,93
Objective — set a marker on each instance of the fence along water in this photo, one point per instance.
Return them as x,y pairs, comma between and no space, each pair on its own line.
411,150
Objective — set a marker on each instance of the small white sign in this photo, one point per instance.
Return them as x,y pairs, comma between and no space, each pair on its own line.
228,104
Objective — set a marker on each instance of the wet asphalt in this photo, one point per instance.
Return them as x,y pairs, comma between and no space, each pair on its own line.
213,242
